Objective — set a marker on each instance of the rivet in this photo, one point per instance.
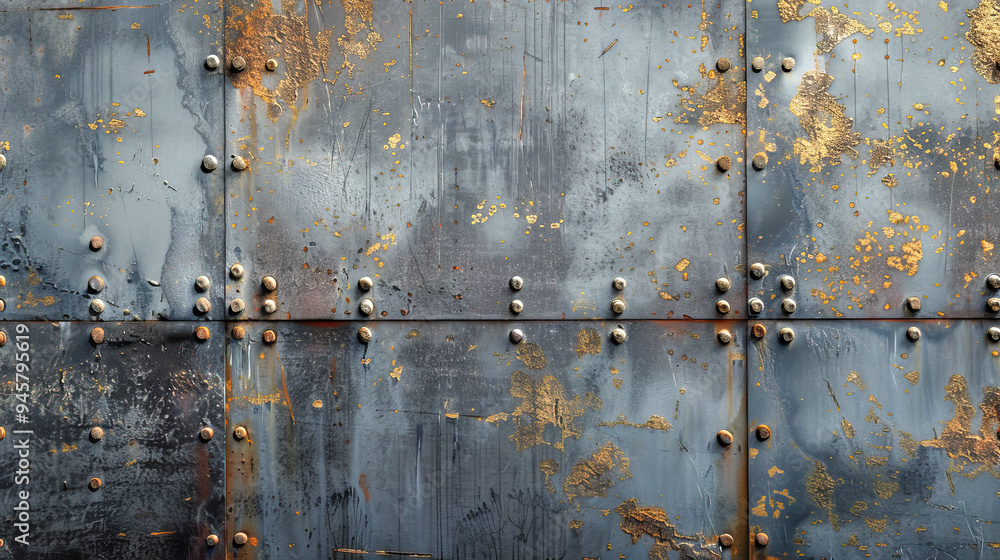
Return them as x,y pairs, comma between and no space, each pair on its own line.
788,305
722,306
723,285
758,331
757,64
516,336
240,432
203,305
270,283
724,336
365,284
270,336
237,306
755,306
787,64
96,433
202,333
202,283
761,539
97,335
236,271
618,335
618,305
97,306
269,306
95,284
517,306
726,540
786,335
763,432
367,306
239,164
913,304
271,64
725,437
96,242
619,283
787,282
240,538
757,270
993,304
516,283
238,332
239,63
209,163
206,433
913,333
365,335
759,161
3,305
993,281
723,164
212,540
3,338
94,484
3,281
3,161
723,65
212,62
3,433
994,334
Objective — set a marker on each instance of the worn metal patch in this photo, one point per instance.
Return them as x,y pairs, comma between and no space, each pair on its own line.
445,440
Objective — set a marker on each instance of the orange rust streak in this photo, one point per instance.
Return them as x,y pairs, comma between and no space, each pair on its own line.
602,8
148,50
162,533
149,71
284,386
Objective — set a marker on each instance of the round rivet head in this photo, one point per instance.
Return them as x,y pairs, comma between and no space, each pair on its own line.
517,306
365,335
724,163
618,306
516,283
723,285
3,161
239,63
723,65
269,306
3,305
202,283
237,306
757,270
516,336
759,161
270,283
365,284
270,336
761,539
202,333
787,282
913,333
202,305
240,539
755,306
913,304
206,433
787,64
212,540
763,432
240,432
3,338
239,164
618,335
619,283
757,64
97,306
212,62
238,332
271,64
788,305
95,284
3,432
786,335
96,242
94,484
993,281
97,335
993,334
725,437
758,331
724,336
993,304
236,271
96,433
726,540
722,306
367,306
209,163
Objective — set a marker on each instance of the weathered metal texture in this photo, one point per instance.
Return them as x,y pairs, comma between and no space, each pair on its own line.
150,388
107,116
879,150
444,440
442,148
879,445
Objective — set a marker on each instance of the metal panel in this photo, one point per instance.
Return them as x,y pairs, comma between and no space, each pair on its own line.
441,149
880,445
107,116
443,440
878,157
151,388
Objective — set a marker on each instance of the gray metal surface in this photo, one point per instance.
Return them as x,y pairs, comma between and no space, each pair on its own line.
151,388
443,148
880,445
879,156
443,440
106,118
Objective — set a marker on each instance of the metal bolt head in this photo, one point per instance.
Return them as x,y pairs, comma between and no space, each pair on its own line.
755,306
367,306
993,304
618,335
270,283
723,285
97,335
913,304
94,484
788,305
240,432
270,336
97,306
786,335
365,284
95,284
212,62
757,270
212,540
96,242
239,164
202,305
96,433
763,432
725,437
913,333
722,306
761,539
3,432
209,163
271,64
724,163
993,334
240,539
516,336
202,333
238,332
758,331
724,336
726,540
757,64
202,283
993,281
787,282
517,306
206,433
516,283
619,283
3,305
237,306
759,161
618,305
239,63
3,338
236,271
723,65
270,306
787,64
3,161
365,335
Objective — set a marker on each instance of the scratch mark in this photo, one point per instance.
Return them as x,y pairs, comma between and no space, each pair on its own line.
834,397
608,48
284,386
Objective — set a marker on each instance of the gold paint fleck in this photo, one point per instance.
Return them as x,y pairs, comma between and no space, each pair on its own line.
830,130
317,404
773,471
820,486
396,373
588,341
858,508
591,478
855,377
654,423
549,467
889,180
849,431
575,524
532,355
680,266
913,377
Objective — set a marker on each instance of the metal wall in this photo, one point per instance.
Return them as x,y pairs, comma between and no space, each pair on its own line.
531,279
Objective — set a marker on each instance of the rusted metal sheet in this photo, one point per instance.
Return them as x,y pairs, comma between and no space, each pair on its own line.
102,451
107,116
877,156
880,444
441,149
444,440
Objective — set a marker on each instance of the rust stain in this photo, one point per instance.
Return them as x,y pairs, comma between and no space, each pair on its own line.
653,521
591,478
971,455
830,131
984,34
363,484
549,467
820,486
542,403
288,401
832,27
532,355
654,423
588,341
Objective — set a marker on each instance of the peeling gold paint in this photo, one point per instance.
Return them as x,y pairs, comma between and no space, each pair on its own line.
832,27
654,423
971,455
889,180
532,355
396,372
591,478
984,34
829,129
820,486
588,341
855,377
848,428
723,103
653,521
575,524
549,467
542,403
913,377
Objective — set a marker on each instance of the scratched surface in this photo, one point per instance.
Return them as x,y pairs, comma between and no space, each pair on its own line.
442,439
106,117
151,387
879,445
442,148
880,156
